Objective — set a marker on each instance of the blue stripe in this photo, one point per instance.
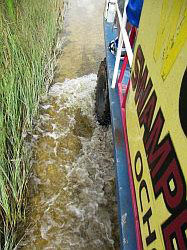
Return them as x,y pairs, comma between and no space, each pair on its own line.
125,210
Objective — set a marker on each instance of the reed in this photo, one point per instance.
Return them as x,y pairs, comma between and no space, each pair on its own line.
10,7
27,31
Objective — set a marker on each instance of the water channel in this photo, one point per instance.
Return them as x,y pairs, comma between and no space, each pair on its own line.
73,184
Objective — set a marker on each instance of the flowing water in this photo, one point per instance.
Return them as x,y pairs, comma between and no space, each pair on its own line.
73,204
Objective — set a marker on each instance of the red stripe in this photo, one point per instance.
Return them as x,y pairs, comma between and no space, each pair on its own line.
133,194
123,113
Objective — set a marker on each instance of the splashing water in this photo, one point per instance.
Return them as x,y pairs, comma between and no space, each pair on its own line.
72,201
73,204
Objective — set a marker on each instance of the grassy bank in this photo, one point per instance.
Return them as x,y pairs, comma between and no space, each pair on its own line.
27,31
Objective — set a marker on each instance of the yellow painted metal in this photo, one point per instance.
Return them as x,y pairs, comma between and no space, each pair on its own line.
171,35
162,38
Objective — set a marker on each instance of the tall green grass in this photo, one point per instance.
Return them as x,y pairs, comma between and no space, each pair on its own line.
10,7
27,31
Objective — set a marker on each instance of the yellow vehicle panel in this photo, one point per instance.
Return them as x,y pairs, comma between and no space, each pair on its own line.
156,114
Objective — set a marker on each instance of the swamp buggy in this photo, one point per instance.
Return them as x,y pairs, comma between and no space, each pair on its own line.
145,98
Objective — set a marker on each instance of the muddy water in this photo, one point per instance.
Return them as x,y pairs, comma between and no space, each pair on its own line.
84,45
73,187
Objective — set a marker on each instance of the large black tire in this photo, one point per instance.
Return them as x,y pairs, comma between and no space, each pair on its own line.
102,105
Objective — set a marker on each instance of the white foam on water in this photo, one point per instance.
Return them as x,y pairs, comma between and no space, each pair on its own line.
75,202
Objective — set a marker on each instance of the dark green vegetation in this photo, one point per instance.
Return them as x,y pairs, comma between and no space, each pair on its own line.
27,32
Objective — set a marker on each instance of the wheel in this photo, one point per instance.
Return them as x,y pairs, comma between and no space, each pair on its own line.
102,105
